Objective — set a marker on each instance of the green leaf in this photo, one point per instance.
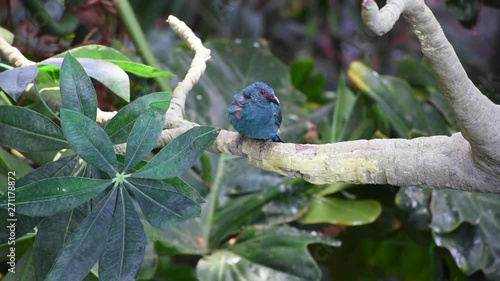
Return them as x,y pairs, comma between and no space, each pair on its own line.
144,134
59,168
86,243
77,92
179,155
15,80
341,211
163,205
308,79
126,244
89,141
110,75
187,238
344,106
28,130
397,100
420,76
96,52
121,124
272,205
140,69
54,195
468,225
415,201
272,253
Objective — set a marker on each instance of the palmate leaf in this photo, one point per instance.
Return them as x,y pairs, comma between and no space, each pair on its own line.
178,155
124,251
77,92
119,127
28,130
89,141
271,253
163,204
86,243
54,195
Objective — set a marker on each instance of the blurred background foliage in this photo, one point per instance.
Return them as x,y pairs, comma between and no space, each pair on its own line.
337,82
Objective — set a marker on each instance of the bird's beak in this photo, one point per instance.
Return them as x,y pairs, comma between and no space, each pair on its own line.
274,99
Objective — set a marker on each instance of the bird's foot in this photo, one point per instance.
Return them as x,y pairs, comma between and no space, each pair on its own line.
239,141
265,144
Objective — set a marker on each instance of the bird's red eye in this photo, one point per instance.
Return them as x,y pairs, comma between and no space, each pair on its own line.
262,91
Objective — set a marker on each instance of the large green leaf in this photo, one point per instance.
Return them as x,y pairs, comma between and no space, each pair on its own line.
145,134
271,253
344,105
233,66
163,204
89,141
96,52
419,74
86,243
468,225
140,69
121,124
342,211
28,130
397,100
54,195
271,205
179,155
126,244
110,75
77,92
15,80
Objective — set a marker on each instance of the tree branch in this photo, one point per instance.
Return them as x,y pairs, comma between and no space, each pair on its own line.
477,116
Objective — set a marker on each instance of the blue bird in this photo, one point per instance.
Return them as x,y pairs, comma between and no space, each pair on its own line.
255,112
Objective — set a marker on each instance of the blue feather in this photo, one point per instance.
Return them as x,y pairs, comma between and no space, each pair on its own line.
255,112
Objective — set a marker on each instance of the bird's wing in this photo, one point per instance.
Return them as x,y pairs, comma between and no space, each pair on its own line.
237,105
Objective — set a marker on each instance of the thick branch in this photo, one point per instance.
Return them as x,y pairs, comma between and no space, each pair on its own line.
477,116
433,162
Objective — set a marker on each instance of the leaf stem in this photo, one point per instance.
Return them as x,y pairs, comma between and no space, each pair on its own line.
134,29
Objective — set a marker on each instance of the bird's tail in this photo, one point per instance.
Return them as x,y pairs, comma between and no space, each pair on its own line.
276,138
